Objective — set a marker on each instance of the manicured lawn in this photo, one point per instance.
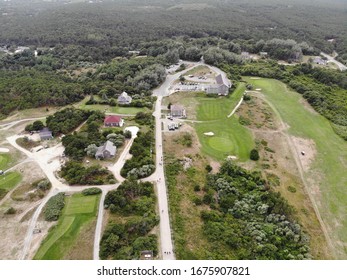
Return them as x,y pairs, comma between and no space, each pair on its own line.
4,161
328,170
78,213
219,108
230,138
9,180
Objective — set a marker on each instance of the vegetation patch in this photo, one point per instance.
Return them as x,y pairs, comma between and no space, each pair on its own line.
132,208
76,174
8,181
141,164
54,207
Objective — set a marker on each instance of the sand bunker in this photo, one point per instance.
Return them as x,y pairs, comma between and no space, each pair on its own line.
232,157
209,133
4,150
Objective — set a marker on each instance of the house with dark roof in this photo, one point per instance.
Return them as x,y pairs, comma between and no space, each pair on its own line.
108,150
45,134
177,111
124,98
112,121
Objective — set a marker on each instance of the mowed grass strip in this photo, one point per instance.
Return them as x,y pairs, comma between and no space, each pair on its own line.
4,161
81,205
9,180
328,171
78,213
57,233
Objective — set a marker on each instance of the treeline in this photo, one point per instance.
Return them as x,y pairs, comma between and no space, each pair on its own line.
114,27
134,202
66,120
249,220
30,89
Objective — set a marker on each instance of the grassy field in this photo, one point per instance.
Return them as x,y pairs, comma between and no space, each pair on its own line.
79,212
8,181
110,109
4,161
230,138
328,170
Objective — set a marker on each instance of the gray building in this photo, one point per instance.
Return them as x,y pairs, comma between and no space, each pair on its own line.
45,134
124,98
221,87
178,111
105,151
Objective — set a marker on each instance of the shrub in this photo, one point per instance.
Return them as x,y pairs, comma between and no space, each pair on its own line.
254,155
197,201
208,168
10,211
91,191
197,188
292,189
54,207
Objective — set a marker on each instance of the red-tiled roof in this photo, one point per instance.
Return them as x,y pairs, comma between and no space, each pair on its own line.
112,119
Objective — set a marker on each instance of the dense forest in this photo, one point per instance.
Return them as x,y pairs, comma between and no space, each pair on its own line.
112,28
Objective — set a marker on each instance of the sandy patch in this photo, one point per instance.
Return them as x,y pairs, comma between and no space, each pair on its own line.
307,151
209,133
307,106
4,150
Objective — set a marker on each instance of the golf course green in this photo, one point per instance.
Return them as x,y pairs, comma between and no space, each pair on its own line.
328,170
79,211
230,137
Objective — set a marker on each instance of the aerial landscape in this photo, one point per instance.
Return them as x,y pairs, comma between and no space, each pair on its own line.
173,130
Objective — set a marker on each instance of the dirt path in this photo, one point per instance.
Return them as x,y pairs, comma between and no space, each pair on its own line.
295,153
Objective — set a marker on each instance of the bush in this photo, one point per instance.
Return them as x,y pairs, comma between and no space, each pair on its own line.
197,188
91,191
254,155
54,207
197,201
10,211
44,185
208,168
292,189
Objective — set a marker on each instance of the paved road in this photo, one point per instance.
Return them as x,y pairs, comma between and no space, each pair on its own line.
158,176
341,66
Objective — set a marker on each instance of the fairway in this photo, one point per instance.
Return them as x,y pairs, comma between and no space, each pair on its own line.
328,171
8,181
81,205
230,138
78,213
4,161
